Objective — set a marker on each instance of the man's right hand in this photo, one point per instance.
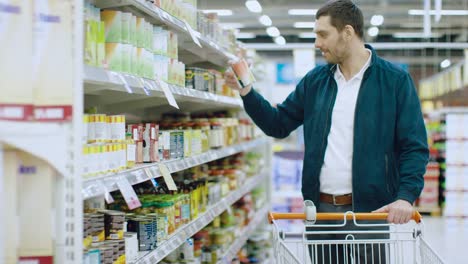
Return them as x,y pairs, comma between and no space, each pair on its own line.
232,82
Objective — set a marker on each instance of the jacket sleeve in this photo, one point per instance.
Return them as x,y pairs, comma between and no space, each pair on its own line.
412,141
277,122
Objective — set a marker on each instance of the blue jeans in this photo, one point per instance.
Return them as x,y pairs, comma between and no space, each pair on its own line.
342,253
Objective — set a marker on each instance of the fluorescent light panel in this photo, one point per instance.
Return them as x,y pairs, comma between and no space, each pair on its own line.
307,35
253,6
373,31
245,35
265,20
415,35
304,24
302,12
420,12
220,12
273,32
280,40
377,20
232,25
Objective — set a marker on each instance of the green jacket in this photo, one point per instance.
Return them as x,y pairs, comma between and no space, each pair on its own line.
390,150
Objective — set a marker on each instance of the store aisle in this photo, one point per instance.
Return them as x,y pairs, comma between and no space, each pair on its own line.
448,237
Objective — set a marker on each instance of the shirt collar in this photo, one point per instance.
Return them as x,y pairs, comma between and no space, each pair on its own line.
360,74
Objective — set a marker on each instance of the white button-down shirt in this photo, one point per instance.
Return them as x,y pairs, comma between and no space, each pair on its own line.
336,173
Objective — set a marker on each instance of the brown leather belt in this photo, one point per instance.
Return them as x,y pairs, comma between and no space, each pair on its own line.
345,199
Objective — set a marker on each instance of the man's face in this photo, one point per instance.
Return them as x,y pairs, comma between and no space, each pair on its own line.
331,42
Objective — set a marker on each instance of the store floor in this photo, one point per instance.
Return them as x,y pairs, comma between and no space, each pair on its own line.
447,237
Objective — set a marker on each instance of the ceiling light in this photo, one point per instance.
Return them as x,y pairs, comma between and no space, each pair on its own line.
420,12
231,25
220,12
445,63
245,35
373,31
377,20
415,35
307,35
280,40
265,20
253,6
304,24
302,12
273,32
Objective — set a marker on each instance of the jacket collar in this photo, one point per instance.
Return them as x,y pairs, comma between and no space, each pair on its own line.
332,67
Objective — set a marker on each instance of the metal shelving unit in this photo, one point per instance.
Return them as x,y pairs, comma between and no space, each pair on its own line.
100,185
259,218
209,52
187,231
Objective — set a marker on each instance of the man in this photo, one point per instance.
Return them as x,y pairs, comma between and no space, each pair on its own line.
364,134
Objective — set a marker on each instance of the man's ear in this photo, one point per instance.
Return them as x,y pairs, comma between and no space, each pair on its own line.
348,32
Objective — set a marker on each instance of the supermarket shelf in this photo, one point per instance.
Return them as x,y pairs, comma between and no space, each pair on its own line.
433,211
100,185
47,141
260,217
187,231
210,51
116,89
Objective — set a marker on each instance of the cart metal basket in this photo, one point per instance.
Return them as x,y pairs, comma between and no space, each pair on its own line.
350,238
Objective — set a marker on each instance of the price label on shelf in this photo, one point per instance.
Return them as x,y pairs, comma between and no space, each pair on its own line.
128,193
168,93
192,33
167,177
107,196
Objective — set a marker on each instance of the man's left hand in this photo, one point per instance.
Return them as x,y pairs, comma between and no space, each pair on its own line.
399,212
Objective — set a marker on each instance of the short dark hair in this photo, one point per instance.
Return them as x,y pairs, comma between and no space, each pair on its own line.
342,13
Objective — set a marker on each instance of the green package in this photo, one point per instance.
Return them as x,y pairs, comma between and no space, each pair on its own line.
133,31
126,21
114,56
90,53
126,58
100,44
113,22
140,32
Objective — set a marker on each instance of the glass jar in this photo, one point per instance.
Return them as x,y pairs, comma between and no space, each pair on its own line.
205,128
216,135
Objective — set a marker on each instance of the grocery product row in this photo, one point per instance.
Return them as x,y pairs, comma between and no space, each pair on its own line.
202,194
37,39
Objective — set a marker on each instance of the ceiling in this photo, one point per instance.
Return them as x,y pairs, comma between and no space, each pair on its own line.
395,13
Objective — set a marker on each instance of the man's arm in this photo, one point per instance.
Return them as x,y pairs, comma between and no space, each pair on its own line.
276,122
412,145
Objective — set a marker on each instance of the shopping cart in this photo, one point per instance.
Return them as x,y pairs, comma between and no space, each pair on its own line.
350,238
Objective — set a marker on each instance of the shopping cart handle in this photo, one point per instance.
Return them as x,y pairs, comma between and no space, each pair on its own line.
337,216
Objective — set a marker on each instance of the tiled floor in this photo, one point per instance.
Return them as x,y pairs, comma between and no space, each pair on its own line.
449,238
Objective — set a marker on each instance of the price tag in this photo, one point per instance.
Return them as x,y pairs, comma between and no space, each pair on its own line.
167,92
192,33
167,177
128,193
107,196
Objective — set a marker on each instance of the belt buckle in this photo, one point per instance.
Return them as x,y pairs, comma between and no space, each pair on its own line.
334,200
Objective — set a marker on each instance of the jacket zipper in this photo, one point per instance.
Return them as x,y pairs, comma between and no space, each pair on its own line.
354,133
